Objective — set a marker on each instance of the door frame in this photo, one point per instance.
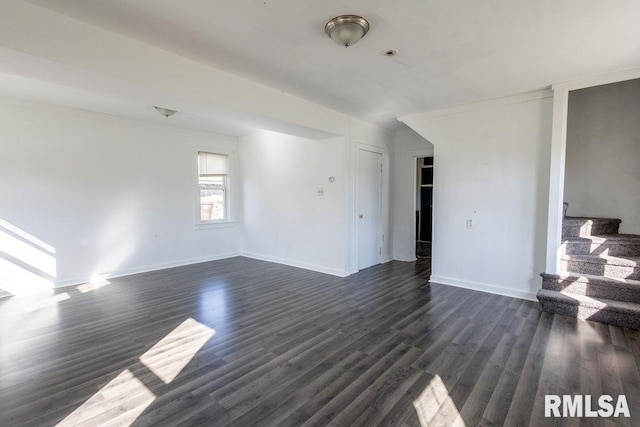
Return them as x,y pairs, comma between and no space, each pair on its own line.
380,226
413,156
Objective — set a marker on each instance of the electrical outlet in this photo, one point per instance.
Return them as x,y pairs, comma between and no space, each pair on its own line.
320,191
469,223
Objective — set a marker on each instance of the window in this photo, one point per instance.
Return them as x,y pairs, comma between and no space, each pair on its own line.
213,186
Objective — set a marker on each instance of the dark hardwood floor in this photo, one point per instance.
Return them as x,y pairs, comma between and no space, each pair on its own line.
245,342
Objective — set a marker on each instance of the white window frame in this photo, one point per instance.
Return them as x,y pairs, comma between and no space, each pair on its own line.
228,220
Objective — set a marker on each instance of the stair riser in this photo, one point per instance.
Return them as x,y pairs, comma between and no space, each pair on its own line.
612,249
586,230
594,290
624,320
612,271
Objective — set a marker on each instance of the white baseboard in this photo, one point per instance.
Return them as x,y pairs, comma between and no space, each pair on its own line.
477,286
145,269
306,266
351,271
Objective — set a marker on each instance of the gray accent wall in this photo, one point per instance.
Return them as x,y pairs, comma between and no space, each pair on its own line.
602,173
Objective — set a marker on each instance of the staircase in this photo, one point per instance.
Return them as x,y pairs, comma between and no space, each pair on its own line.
600,277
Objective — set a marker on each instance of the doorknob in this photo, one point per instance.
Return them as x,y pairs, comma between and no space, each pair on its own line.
360,216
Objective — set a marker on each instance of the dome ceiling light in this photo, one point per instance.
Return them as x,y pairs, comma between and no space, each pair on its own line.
346,30
165,111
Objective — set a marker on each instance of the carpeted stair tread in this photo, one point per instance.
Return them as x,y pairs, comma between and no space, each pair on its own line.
564,275
599,277
592,278
604,238
623,314
590,218
580,226
593,286
603,265
575,220
605,259
586,301
618,245
615,237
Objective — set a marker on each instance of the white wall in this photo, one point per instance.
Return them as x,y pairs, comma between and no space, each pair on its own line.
284,219
602,170
492,168
115,196
111,195
407,147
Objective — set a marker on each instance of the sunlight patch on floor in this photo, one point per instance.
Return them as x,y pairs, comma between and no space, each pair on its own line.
125,398
96,282
172,353
119,402
45,302
435,407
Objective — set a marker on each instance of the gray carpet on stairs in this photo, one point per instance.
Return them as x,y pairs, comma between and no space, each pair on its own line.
626,315
600,278
593,286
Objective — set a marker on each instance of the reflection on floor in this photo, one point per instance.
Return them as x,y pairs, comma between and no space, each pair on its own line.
246,342
423,249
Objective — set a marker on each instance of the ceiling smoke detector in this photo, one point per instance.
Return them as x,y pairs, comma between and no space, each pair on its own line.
346,30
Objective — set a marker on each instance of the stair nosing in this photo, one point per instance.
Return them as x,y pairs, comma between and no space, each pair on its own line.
591,278
587,301
603,238
570,219
604,259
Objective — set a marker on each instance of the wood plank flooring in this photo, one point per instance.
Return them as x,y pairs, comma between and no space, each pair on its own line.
242,342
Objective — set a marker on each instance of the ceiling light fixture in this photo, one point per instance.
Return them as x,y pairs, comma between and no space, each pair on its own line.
165,111
346,30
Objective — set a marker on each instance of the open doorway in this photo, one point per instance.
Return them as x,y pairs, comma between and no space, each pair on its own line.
593,243
424,206
559,153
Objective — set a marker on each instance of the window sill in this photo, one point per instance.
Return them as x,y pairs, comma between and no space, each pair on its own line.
213,225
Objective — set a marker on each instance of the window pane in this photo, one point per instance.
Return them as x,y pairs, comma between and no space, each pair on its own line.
212,198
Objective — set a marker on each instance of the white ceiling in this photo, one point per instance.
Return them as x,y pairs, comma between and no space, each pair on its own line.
451,52
14,86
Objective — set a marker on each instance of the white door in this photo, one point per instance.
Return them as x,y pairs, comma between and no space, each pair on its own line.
369,208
